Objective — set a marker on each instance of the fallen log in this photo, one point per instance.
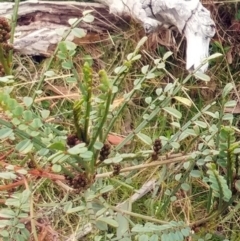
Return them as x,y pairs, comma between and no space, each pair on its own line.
38,21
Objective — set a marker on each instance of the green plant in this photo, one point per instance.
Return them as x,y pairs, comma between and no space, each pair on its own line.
93,121
200,147
18,207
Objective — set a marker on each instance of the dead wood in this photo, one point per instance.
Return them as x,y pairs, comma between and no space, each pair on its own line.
38,21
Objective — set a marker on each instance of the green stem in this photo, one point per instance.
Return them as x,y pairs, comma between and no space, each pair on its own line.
119,78
131,94
237,164
88,81
209,199
137,215
102,121
144,122
77,108
100,126
13,27
76,167
3,61
53,128
152,115
22,133
66,171
76,75
123,184
25,159
219,126
221,195
229,164
184,127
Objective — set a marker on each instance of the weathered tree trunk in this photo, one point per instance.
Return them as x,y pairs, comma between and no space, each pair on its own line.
38,21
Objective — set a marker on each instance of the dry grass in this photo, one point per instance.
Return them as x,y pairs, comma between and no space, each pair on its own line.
58,96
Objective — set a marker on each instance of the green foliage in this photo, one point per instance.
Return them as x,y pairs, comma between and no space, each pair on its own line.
17,208
218,184
203,140
170,231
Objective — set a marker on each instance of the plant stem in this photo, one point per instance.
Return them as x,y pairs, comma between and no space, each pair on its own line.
22,133
102,121
184,127
3,61
76,167
66,171
229,163
99,131
87,98
144,122
120,77
76,75
136,215
13,27
209,199
154,113
131,94
122,184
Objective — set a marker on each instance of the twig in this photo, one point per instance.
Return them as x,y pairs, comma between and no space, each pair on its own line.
86,229
64,186
152,164
7,154
161,162
12,185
